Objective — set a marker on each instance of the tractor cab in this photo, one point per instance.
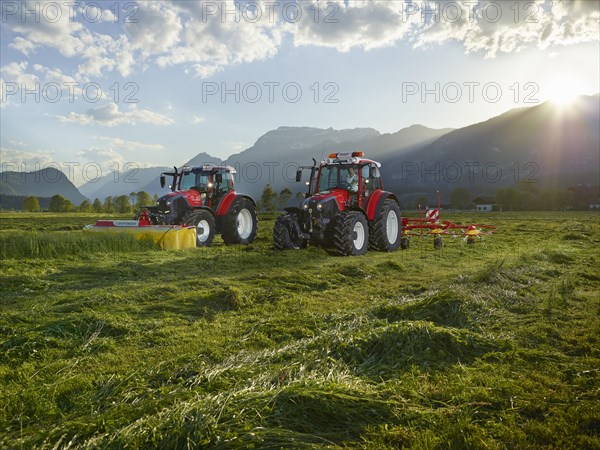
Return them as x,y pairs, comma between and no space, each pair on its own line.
345,207
348,177
206,185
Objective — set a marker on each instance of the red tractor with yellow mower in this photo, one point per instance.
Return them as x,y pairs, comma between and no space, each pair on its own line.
345,208
205,198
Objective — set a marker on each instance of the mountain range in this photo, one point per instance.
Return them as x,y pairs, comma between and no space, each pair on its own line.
546,144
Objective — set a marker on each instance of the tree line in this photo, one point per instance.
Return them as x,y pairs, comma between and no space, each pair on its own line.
122,204
521,197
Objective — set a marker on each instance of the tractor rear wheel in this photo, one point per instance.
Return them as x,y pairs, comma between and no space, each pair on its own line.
385,229
351,233
240,223
284,233
205,226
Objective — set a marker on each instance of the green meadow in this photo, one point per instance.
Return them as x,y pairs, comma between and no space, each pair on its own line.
111,343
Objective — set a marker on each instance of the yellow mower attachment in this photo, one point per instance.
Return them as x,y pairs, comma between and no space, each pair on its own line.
168,237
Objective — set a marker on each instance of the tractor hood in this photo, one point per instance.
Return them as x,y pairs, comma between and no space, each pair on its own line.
341,195
193,197
327,201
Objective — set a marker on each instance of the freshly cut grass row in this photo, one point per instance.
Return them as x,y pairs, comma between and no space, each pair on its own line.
33,244
494,346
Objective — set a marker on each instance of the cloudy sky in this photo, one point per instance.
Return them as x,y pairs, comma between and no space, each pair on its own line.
155,83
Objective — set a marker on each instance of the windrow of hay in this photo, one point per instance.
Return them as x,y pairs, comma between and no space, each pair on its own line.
33,244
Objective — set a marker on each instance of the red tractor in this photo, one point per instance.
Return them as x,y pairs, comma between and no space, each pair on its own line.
345,207
204,197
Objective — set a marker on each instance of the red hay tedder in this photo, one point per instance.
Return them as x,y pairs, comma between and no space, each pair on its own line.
431,225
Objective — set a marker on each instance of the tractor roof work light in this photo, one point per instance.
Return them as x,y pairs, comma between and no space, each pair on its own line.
344,157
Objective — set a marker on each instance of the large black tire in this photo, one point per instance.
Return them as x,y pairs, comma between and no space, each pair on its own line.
240,223
284,233
204,222
351,233
386,228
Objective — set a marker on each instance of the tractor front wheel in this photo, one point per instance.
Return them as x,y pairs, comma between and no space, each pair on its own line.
351,234
205,226
386,228
240,223
284,234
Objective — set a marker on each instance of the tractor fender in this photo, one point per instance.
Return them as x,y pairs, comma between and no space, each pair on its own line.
203,208
376,202
229,200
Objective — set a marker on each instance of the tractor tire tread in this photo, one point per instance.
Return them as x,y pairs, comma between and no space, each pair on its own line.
229,231
377,228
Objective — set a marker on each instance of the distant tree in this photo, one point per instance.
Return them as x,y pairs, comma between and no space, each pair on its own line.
122,204
108,206
133,199
460,198
97,206
31,204
85,206
155,198
268,199
510,199
143,199
60,204
284,198
300,197
421,201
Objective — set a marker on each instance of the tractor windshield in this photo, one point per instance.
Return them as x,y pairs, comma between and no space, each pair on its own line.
194,180
344,176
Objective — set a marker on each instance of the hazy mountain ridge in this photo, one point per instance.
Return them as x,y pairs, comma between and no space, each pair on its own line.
543,143
122,183
41,183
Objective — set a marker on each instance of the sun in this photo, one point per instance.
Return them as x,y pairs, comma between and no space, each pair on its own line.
563,98
562,90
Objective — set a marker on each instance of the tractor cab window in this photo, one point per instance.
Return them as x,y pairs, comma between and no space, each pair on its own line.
194,180
225,185
375,177
344,176
328,178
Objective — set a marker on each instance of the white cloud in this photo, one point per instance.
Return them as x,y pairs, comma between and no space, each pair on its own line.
366,24
23,45
96,161
24,161
157,28
99,52
496,27
109,115
122,144
197,120
182,33
14,81
103,156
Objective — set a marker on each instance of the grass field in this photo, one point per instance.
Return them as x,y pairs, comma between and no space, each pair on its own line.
111,343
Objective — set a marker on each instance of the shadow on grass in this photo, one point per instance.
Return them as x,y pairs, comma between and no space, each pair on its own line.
382,352
443,308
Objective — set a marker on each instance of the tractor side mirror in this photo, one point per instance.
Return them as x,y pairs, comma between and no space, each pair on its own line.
218,178
298,175
162,181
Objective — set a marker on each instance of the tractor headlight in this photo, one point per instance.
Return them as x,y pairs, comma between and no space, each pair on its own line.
305,206
319,206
